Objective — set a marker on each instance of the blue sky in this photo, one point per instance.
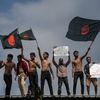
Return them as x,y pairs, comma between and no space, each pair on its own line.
49,20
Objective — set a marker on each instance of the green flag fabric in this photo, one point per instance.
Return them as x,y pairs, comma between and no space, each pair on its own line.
11,41
82,29
27,35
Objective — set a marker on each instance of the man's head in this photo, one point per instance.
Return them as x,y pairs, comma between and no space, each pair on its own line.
76,53
32,55
45,55
9,57
61,61
88,59
19,57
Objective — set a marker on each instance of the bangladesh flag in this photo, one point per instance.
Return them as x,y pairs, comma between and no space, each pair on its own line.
11,41
82,29
27,35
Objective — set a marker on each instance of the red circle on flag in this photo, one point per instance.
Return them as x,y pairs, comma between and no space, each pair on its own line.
85,30
11,40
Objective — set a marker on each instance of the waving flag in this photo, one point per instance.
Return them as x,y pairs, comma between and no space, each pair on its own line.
82,29
27,35
11,41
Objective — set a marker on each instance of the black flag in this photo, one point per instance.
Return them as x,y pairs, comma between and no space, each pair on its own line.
27,35
82,29
11,41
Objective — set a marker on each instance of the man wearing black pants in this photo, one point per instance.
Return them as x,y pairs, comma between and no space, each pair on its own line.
46,71
77,71
9,65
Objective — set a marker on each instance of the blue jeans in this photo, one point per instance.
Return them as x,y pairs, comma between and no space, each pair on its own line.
65,81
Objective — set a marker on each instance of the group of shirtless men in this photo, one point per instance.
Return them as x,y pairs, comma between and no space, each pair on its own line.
28,68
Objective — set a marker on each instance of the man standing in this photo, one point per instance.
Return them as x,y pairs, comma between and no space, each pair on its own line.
9,65
32,73
46,69
77,71
90,80
62,73
22,72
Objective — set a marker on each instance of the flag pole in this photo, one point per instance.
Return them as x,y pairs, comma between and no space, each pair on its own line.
91,44
37,43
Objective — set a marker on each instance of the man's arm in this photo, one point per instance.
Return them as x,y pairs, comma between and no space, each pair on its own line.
37,63
15,68
86,73
69,60
1,64
23,55
85,54
40,54
53,60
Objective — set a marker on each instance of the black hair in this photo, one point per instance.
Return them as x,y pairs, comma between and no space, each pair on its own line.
88,57
46,53
19,56
32,53
10,55
75,52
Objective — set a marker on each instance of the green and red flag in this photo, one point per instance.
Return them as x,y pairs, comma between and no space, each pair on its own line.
82,29
27,35
11,41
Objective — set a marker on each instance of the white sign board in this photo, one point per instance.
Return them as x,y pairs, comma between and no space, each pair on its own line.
61,51
95,71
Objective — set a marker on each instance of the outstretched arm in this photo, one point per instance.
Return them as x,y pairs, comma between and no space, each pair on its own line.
85,54
39,51
23,55
53,60
68,62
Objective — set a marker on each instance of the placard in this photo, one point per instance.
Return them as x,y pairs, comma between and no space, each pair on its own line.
61,51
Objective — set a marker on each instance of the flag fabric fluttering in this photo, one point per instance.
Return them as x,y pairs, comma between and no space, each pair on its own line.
82,29
11,41
27,35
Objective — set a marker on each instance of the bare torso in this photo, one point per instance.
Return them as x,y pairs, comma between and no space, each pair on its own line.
32,65
8,67
45,65
77,63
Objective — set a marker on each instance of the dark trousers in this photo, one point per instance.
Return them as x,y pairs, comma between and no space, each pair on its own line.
8,81
33,80
76,76
45,75
65,81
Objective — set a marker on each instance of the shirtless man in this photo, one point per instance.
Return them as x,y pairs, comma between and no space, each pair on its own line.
45,71
22,72
89,79
32,74
77,71
62,73
9,65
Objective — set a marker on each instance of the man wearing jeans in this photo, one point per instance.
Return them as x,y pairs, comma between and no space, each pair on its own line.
77,71
46,71
62,73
